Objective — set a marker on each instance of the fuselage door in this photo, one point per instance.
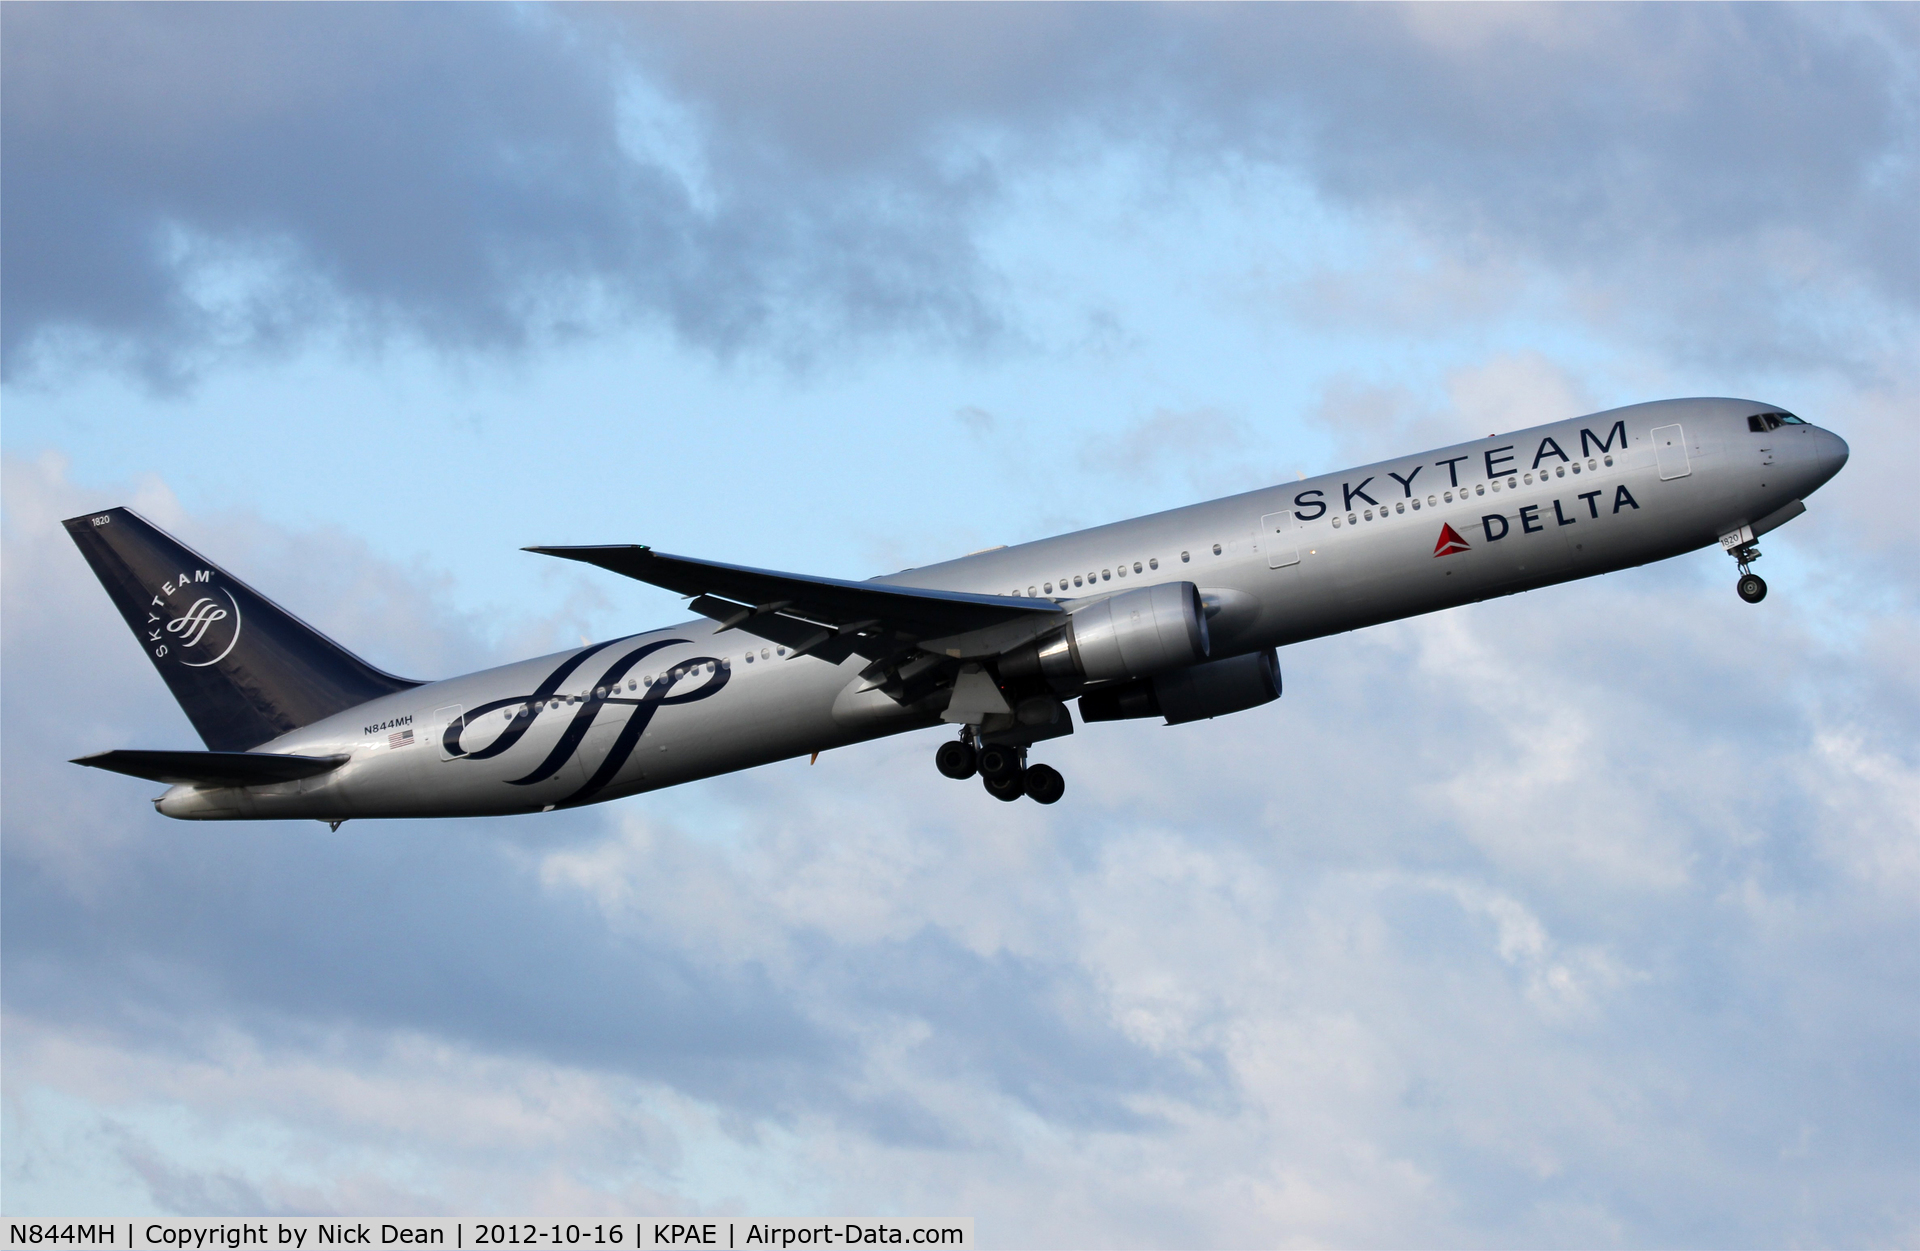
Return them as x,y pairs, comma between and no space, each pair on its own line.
1670,451
444,721
1283,547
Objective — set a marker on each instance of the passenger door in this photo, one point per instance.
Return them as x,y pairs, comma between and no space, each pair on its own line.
1283,546
1670,452
437,727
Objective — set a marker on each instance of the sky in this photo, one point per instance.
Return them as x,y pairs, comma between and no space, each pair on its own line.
1587,917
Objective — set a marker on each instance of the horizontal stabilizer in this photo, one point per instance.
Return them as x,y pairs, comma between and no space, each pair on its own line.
212,768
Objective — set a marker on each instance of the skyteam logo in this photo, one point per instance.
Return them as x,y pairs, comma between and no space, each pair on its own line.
194,621
1449,542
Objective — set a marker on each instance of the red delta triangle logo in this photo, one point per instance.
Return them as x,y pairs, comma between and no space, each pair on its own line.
1449,542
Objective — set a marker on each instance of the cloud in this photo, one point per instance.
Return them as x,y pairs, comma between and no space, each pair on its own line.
1734,159
1207,445
187,182
190,181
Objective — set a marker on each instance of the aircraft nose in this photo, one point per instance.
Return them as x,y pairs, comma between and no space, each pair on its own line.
1831,454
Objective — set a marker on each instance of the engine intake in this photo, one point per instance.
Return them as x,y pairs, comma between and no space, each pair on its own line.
1134,634
1195,693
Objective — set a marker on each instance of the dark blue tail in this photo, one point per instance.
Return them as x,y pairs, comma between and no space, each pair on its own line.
244,669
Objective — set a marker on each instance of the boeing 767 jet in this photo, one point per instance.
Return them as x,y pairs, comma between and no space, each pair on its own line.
1176,615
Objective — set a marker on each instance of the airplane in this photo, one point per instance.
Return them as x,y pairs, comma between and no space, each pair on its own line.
1177,615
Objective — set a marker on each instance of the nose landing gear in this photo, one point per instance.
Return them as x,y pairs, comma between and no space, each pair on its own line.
1751,587
1003,770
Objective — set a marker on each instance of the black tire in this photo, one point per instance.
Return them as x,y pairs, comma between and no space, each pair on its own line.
956,760
997,761
1045,785
1006,789
1751,588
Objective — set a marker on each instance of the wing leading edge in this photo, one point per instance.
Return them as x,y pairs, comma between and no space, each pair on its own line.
828,617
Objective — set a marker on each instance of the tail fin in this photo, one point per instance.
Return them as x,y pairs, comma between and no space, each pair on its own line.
244,669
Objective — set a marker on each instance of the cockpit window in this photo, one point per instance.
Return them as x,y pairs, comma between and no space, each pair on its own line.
1760,423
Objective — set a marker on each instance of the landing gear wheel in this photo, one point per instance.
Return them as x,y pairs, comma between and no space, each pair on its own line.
1007,787
1045,785
1751,588
956,760
998,761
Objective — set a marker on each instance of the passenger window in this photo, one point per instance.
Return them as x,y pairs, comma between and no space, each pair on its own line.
1154,563
1529,479
1123,571
1510,485
1076,580
1416,506
1609,462
1136,566
1496,486
1400,507
1479,488
1576,466
1030,591
764,656
1185,557
1049,588
1106,575
1216,549
1447,495
1336,523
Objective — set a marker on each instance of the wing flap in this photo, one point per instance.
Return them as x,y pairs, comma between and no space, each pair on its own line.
212,768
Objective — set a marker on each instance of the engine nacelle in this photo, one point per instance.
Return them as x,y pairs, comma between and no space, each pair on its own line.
1134,634
1195,693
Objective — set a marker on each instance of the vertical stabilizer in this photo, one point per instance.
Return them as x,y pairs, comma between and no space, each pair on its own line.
244,669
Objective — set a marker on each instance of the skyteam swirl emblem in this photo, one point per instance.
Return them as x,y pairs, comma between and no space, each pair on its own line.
199,619
204,632
207,621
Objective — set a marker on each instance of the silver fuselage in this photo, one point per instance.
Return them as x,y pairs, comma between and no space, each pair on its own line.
1277,566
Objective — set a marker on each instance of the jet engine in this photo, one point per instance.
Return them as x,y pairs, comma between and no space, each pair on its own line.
1195,693
1134,634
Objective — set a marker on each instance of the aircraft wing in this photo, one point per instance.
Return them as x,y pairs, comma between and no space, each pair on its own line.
828,617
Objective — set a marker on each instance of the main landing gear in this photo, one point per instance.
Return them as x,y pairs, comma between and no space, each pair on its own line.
1004,770
1751,586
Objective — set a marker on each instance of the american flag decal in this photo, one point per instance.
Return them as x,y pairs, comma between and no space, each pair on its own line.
399,738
